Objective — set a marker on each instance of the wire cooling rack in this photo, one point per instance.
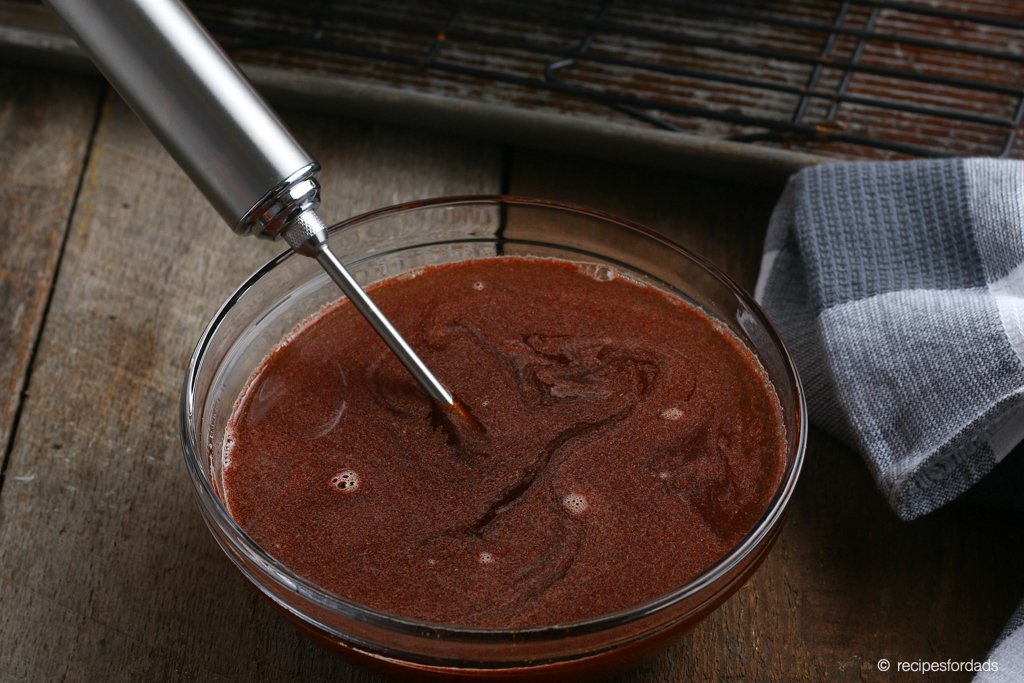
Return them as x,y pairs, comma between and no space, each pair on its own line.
774,84
856,78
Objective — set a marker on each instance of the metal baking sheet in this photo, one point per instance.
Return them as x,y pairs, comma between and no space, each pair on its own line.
749,89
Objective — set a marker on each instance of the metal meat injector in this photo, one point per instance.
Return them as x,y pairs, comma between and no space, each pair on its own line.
220,131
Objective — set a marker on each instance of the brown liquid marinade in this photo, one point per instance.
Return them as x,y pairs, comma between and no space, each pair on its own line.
627,443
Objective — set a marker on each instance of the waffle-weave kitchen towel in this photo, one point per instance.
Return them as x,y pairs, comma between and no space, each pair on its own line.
899,288
1008,654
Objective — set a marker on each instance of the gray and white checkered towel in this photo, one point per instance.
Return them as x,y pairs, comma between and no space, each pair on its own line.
899,288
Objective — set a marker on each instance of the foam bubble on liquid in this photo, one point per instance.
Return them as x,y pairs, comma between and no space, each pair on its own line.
345,481
486,558
575,503
227,449
672,414
598,272
478,286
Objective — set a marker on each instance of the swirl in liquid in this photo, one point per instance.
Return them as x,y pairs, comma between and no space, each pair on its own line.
619,443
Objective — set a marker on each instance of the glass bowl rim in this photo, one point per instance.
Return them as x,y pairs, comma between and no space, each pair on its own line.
294,583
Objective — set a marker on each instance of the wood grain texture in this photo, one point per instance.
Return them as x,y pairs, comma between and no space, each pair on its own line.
848,583
45,122
107,572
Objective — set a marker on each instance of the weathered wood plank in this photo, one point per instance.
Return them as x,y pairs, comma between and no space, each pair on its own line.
848,583
106,569
45,122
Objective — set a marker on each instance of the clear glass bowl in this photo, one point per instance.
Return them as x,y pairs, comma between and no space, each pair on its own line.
391,241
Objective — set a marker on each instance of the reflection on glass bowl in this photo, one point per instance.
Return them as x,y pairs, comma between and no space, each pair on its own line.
392,241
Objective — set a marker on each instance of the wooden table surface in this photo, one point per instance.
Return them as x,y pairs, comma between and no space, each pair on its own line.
111,264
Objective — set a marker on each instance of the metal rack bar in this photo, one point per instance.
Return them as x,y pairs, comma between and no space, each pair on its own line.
826,50
1011,135
844,82
435,47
